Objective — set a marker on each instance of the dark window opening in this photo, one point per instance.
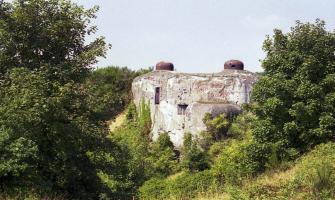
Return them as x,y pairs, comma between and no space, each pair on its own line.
233,66
157,95
182,109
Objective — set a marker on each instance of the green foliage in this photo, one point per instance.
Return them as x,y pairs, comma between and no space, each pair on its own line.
294,96
237,194
146,159
144,117
217,129
240,127
50,141
239,160
217,126
192,157
110,90
180,186
163,157
153,189
15,154
133,137
49,135
323,180
49,36
311,177
317,171
131,113
240,156
163,142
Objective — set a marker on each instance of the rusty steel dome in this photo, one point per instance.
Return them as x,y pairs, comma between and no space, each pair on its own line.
234,64
164,66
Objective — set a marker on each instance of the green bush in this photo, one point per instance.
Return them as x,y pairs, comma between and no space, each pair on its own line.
192,157
154,188
295,95
240,156
109,91
188,185
239,160
48,140
133,137
163,157
312,177
181,186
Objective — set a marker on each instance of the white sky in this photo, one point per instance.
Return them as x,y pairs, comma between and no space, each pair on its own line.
198,35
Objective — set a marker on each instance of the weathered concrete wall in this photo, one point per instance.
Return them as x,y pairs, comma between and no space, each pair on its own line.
202,93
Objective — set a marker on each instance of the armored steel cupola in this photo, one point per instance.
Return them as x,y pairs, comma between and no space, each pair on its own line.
234,64
164,66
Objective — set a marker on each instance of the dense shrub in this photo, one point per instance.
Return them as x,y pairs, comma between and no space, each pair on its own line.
50,140
146,159
295,95
192,157
310,177
133,137
49,143
239,160
163,157
155,188
110,90
180,186
217,129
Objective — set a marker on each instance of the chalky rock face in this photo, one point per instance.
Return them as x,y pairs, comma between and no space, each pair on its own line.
179,101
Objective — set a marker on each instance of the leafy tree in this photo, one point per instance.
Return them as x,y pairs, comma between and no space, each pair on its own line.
163,156
240,159
296,94
217,129
163,142
133,137
192,157
16,153
110,91
239,156
48,36
49,143
49,139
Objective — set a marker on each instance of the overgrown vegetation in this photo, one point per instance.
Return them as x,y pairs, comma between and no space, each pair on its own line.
51,141
295,95
309,177
184,185
110,90
146,159
53,111
258,154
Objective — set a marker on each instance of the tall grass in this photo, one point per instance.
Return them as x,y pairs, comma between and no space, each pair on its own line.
322,181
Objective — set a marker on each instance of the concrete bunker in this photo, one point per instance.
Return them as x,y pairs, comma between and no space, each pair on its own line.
181,109
167,66
157,95
234,64
178,101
